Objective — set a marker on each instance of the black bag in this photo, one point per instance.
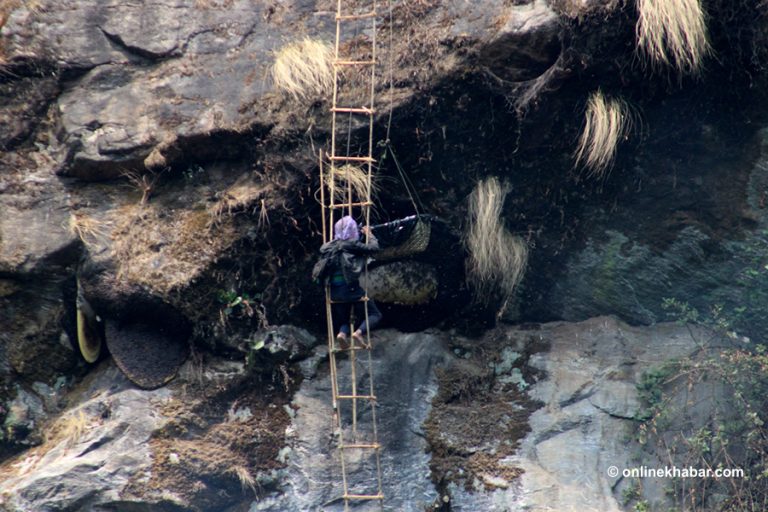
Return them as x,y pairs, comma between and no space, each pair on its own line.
333,257
351,267
320,269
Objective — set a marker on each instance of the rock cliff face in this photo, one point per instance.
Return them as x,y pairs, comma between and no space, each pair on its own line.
214,441
145,151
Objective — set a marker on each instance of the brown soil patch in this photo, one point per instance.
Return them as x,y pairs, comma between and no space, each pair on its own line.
163,249
211,452
477,421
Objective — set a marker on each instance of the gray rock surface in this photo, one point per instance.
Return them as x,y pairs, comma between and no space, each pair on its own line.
403,368
98,446
688,234
93,88
34,228
586,387
589,404
157,72
117,447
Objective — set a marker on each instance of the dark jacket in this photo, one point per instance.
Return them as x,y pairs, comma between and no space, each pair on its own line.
341,263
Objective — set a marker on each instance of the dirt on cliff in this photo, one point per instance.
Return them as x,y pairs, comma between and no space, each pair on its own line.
220,444
480,413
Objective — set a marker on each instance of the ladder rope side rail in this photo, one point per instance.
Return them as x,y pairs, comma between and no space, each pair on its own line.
330,206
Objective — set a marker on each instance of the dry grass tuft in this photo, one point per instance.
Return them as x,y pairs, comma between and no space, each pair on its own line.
304,69
145,182
242,196
89,230
244,476
348,179
71,427
497,258
672,33
162,252
606,122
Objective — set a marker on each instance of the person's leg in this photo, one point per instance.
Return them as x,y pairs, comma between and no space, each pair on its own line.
374,317
340,316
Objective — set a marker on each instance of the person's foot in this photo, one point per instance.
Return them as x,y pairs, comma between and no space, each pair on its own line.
341,341
360,340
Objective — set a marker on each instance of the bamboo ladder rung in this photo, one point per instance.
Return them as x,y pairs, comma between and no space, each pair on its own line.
361,299
354,110
351,349
341,158
354,62
363,446
350,205
363,497
356,397
344,17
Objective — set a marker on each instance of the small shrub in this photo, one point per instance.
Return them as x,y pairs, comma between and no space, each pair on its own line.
606,122
304,69
733,435
672,33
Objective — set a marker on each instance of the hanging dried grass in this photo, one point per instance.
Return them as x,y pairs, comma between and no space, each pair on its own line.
606,122
349,179
673,33
304,69
497,258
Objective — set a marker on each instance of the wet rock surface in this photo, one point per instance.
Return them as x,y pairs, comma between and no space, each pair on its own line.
691,236
404,382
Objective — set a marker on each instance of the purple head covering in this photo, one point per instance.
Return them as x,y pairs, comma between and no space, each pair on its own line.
346,229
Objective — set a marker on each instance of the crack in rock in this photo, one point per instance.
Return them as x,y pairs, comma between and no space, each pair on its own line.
609,413
139,52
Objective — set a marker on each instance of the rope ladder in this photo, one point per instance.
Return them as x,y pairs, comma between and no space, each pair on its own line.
354,398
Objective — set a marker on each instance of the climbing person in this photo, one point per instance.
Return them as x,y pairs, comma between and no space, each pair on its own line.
342,261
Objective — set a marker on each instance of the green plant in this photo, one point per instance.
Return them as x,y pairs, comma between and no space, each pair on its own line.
651,389
253,346
630,493
733,434
235,305
642,506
